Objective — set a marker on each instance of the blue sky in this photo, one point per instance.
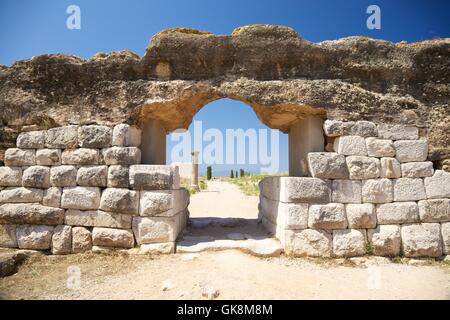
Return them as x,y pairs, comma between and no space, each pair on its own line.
33,27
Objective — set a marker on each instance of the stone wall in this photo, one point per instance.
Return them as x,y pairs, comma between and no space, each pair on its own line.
373,192
77,188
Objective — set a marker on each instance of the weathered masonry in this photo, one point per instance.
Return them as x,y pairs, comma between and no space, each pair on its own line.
83,142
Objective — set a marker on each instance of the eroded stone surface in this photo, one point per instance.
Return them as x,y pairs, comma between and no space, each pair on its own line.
346,191
81,239
409,189
385,240
62,137
363,167
15,157
421,240
327,216
411,150
434,210
398,213
48,157
63,176
380,147
438,186
30,213
327,165
309,242
8,238
35,237
92,176
62,240
10,177
94,136
361,216
107,237
97,218
154,177
377,191
82,198
36,177
31,140
120,201
417,169
350,146
125,135
349,243
121,155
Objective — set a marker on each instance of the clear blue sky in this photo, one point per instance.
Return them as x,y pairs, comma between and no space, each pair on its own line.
33,27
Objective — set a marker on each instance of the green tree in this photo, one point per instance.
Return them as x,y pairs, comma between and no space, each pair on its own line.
236,174
232,174
208,172
241,173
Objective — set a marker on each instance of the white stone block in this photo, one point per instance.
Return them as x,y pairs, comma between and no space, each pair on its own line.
52,197
92,176
30,213
10,177
308,242
438,186
157,229
350,145
346,191
417,169
362,168
98,218
377,191
82,198
15,157
422,240
398,213
125,135
286,216
8,238
411,150
21,195
63,176
349,243
327,216
31,140
48,157
62,240
62,137
390,168
118,176
434,210
409,189
445,229
117,238
81,240
94,136
81,156
327,165
34,237
385,240
398,132
163,203
154,177
121,155
380,147
120,200
361,216
36,177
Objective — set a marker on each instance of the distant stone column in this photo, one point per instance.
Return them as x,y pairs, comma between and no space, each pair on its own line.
194,170
153,146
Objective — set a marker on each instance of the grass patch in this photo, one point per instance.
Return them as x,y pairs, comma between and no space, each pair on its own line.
249,183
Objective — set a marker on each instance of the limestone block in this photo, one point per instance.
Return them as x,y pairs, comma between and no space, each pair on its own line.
334,128
120,200
157,229
380,147
97,218
445,229
52,197
364,129
34,237
349,243
121,155
48,157
350,145
81,240
361,216
385,240
163,203
31,140
92,176
108,237
422,240
62,137
346,191
15,157
62,240
438,186
157,248
377,191
20,195
398,213
434,210
289,216
397,132
390,168
327,165
417,169
309,242
30,213
154,177
118,176
363,167
36,177
82,198
327,216
296,189
8,238
409,189
94,136
63,176
81,156
10,177
125,135
411,150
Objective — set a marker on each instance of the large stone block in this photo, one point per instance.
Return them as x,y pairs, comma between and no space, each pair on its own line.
81,156
20,195
36,177
409,189
349,243
98,218
121,155
422,240
309,242
361,216
31,140
107,237
118,176
287,216
327,165
398,213
327,216
157,229
346,191
438,186
92,176
380,147
163,203
154,177
445,229
335,128
411,150
417,169
38,237
62,137
397,132
8,238
434,210
81,239
82,198
48,157
364,128
120,200
377,191
94,136
362,168
296,189
52,197
385,240
10,177
15,157
390,168
350,146
63,176
30,213
62,240
125,135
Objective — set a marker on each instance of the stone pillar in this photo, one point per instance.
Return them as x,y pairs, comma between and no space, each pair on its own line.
304,136
153,146
194,170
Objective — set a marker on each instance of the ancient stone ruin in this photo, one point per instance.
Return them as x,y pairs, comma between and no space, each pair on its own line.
83,142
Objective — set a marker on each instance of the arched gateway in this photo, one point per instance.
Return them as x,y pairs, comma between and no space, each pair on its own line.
369,148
